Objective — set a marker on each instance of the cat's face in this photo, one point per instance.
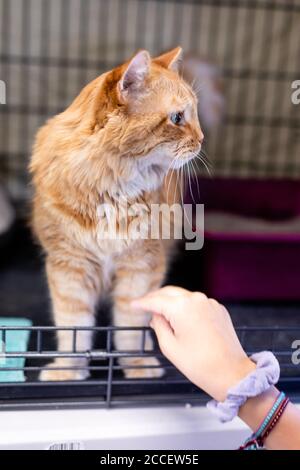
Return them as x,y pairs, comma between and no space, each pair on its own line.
158,112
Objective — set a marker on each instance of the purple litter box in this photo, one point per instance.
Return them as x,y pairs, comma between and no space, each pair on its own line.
252,238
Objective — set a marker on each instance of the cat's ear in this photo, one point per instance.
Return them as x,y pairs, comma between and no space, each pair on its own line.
170,60
134,75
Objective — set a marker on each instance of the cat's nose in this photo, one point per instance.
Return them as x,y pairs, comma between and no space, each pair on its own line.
201,138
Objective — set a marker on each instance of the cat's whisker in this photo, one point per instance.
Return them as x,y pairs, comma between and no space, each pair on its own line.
203,152
177,182
197,85
175,192
183,206
204,157
192,83
181,187
204,161
189,180
173,162
199,89
196,178
205,165
170,177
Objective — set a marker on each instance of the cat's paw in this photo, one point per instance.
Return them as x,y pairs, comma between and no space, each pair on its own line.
52,375
143,371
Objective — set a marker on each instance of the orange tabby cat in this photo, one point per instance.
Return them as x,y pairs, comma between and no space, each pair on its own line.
114,144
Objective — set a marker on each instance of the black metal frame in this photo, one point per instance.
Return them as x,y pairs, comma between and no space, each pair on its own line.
110,388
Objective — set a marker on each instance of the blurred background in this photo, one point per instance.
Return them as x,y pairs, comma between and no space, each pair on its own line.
242,57
50,49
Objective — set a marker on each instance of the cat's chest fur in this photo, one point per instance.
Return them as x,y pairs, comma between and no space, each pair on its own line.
119,231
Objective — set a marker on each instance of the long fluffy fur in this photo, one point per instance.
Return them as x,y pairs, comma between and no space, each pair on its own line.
114,144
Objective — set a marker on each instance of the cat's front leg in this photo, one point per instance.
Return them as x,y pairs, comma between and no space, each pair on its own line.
137,274
74,287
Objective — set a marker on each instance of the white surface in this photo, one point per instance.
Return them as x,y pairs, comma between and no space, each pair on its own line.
138,428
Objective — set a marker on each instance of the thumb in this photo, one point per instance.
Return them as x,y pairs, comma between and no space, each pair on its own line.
164,333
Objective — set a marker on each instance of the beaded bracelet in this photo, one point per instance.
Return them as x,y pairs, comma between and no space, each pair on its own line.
256,441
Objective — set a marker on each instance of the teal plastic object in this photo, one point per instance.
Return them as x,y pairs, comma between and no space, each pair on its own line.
15,341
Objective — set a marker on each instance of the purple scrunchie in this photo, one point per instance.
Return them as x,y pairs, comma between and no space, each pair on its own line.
265,375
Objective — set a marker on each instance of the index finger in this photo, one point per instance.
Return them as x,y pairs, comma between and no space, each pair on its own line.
164,301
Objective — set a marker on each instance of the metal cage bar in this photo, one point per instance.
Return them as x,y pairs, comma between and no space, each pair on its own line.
107,384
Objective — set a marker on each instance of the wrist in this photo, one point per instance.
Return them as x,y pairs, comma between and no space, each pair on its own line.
254,408
233,376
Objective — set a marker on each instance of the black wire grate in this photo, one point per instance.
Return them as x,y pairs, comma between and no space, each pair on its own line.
107,384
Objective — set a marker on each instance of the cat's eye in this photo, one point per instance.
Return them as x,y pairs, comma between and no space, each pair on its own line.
177,118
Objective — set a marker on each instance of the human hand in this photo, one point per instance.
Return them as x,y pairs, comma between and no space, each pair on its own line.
197,335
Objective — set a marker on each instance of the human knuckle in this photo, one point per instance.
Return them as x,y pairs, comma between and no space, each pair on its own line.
214,302
199,296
